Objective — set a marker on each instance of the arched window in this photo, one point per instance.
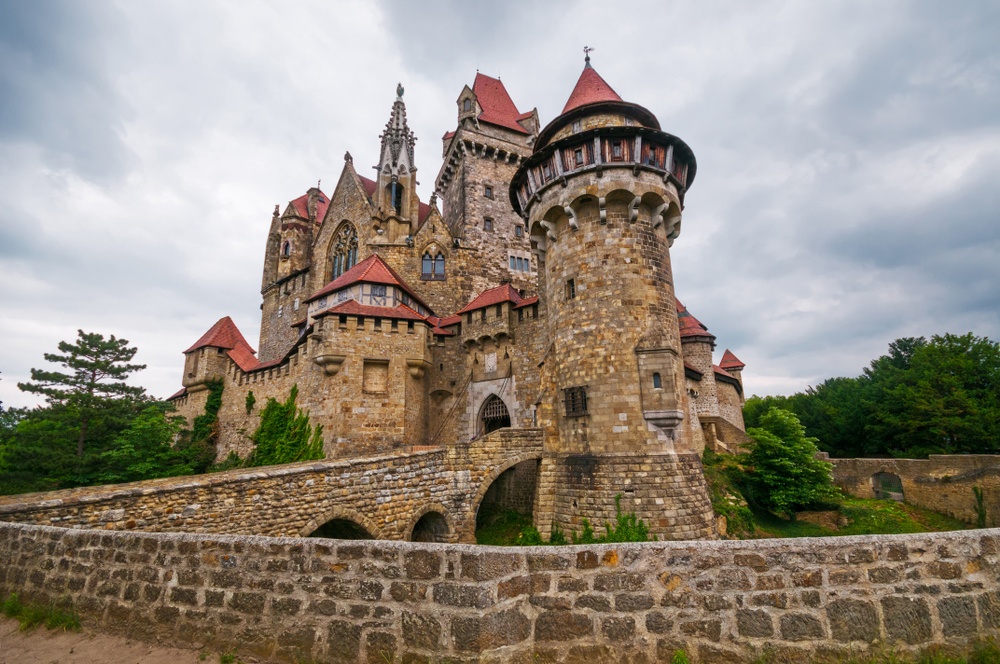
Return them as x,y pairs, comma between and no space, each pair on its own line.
286,249
467,105
394,193
657,383
432,267
344,254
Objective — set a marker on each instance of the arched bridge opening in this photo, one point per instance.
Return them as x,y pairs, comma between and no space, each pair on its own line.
508,503
431,527
342,529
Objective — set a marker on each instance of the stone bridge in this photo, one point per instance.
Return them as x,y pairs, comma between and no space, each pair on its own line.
428,494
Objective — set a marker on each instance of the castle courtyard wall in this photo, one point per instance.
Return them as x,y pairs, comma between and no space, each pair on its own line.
290,599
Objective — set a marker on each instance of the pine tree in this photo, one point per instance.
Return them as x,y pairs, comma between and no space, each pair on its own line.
98,369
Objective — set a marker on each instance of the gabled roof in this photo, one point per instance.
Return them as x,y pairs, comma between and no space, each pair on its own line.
224,334
372,270
498,107
730,362
301,206
503,293
590,89
689,325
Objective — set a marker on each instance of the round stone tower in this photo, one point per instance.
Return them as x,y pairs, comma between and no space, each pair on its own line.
602,195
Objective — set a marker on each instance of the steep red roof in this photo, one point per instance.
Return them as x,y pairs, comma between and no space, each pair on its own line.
450,320
372,270
498,107
369,185
503,293
730,362
301,206
590,89
689,325
225,334
527,302
719,371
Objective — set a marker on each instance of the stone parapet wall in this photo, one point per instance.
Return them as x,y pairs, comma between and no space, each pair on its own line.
384,494
942,482
340,601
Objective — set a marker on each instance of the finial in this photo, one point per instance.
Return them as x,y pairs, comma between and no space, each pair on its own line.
276,213
399,91
318,183
348,158
586,56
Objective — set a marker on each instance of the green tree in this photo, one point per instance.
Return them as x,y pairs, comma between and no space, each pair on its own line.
145,449
98,368
783,474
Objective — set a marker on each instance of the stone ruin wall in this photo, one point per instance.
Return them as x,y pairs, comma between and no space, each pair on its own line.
342,601
942,483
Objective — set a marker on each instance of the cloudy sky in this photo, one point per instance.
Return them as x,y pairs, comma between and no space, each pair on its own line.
848,187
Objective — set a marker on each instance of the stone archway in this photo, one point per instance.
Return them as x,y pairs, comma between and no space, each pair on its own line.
493,415
431,527
887,486
342,524
507,494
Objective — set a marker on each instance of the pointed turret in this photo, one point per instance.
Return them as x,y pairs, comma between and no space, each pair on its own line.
396,194
590,89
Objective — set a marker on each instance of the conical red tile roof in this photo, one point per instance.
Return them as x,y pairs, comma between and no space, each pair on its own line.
730,362
590,89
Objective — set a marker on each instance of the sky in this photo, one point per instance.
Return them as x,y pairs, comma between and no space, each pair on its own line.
847,194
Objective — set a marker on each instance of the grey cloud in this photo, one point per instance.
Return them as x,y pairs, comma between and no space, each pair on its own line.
55,67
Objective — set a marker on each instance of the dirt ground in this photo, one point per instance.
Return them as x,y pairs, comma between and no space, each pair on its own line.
41,646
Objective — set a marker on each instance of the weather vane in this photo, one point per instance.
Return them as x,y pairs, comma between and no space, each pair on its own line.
586,54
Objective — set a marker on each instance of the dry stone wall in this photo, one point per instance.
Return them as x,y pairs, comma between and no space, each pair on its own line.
942,483
340,601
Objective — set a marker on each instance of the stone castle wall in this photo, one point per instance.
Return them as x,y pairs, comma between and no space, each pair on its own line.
340,601
942,483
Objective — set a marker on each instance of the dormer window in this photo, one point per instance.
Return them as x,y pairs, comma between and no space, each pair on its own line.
467,105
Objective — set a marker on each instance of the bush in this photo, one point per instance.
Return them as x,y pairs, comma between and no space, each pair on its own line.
783,474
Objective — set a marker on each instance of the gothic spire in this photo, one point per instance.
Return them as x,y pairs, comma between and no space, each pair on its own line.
396,155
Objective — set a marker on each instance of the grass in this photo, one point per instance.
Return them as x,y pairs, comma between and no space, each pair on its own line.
31,615
501,528
864,517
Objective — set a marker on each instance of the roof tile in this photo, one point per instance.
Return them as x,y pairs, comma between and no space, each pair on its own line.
503,293
372,270
498,107
730,362
590,89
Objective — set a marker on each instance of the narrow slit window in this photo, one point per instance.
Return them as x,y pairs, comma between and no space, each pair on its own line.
657,383
570,289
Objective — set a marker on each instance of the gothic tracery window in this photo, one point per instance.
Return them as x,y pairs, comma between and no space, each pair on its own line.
432,267
344,254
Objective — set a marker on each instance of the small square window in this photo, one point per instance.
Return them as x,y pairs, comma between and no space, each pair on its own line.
578,156
570,289
576,401
487,224
488,191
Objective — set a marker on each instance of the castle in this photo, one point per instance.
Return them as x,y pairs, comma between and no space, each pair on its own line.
532,292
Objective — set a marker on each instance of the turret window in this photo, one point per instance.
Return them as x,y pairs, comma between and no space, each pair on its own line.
570,289
467,105
395,192
286,249
488,191
488,224
345,251
657,383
